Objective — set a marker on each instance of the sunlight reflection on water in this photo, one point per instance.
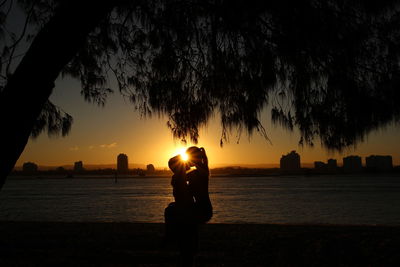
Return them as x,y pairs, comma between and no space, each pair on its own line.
325,199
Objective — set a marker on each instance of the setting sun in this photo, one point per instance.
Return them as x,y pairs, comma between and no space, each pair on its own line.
182,152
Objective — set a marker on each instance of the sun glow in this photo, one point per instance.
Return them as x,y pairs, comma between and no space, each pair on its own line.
184,156
182,152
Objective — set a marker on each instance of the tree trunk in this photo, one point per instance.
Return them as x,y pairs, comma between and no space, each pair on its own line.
30,86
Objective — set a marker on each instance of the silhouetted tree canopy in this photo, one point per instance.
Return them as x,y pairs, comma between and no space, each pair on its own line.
328,68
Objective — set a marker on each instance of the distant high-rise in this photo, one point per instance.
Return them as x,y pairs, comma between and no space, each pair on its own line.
332,163
29,167
78,166
330,166
122,163
150,168
352,163
290,162
319,165
377,162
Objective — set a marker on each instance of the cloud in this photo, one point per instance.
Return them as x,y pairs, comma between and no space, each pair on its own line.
74,148
112,145
90,147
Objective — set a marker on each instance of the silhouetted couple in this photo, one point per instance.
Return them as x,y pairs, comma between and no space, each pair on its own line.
192,204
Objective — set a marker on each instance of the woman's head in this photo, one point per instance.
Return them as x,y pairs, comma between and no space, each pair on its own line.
196,155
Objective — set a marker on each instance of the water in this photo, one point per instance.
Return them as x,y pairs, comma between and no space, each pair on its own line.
317,199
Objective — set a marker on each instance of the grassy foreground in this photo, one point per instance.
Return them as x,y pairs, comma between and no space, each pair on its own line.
140,244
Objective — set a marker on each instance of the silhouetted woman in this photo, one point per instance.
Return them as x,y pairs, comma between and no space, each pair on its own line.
192,204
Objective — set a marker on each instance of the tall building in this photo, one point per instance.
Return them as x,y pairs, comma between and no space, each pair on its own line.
332,164
78,166
319,165
352,163
29,167
150,168
379,163
122,163
329,167
290,161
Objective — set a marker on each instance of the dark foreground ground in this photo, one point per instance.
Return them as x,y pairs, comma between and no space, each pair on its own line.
140,244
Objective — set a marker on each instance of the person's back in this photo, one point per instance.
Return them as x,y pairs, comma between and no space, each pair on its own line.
198,187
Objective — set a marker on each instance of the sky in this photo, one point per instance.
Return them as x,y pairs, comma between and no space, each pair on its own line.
99,134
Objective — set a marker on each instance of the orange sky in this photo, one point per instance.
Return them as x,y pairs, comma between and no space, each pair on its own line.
99,134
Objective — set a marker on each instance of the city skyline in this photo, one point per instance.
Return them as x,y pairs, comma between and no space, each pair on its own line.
99,133
373,159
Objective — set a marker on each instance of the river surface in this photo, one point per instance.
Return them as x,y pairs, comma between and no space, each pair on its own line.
301,199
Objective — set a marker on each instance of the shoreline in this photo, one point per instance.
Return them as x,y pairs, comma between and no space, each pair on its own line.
244,175
212,224
141,244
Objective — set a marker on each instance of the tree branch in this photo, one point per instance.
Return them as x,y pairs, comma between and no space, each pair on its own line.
14,46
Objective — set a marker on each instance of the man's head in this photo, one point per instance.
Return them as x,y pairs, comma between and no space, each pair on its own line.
177,165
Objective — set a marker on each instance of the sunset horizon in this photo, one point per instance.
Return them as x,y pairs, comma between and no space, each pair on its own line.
199,133
133,165
149,139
